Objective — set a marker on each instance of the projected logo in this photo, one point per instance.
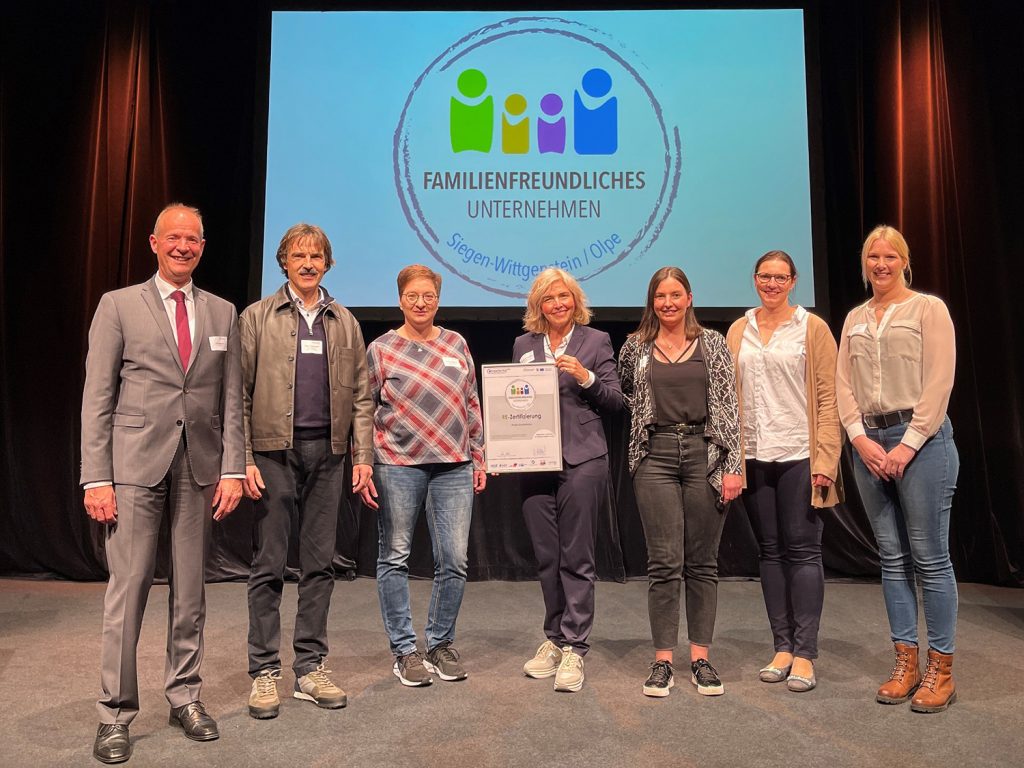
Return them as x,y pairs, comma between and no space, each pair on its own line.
535,142
472,122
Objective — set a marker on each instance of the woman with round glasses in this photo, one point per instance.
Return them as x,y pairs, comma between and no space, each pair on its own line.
897,357
428,451
684,455
785,374
560,508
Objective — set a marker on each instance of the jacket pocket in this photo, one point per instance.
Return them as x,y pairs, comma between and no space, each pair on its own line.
588,416
129,420
215,422
343,367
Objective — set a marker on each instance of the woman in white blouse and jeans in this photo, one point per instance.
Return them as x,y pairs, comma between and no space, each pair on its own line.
785,372
895,371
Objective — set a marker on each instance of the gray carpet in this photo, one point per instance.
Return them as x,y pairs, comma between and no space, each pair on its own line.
49,648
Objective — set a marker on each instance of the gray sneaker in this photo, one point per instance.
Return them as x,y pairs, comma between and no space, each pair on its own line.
411,670
264,703
569,676
545,662
318,688
443,661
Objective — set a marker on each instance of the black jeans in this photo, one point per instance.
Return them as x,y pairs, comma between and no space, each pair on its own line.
683,527
788,530
304,484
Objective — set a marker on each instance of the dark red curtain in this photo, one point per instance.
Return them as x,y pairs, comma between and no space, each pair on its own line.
109,110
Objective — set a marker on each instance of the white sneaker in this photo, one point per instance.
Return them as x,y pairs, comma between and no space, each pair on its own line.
545,662
569,676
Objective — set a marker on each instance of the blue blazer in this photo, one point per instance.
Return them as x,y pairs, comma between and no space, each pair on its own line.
580,409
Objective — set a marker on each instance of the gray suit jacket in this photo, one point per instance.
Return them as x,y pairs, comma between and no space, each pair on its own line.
137,398
580,409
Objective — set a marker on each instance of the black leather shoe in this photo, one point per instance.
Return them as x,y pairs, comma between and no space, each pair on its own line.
112,744
197,725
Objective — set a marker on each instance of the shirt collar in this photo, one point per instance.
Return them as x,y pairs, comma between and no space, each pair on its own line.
323,298
798,315
166,289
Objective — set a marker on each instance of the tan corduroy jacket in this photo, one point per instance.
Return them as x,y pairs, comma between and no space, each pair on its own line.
826,437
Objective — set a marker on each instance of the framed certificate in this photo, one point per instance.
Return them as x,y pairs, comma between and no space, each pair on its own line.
521,424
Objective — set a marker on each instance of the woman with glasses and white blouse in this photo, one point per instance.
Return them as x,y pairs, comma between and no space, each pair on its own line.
897,358
428,452
785,374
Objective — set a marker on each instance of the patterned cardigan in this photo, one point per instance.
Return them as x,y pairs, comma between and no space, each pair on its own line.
722,431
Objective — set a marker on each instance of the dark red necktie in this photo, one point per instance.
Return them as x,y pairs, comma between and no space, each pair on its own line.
184,336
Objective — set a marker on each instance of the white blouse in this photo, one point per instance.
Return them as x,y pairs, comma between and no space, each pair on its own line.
906,361
773,383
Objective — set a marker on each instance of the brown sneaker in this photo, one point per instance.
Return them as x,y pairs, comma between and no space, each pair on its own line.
318,688
263,700
937,690
904,678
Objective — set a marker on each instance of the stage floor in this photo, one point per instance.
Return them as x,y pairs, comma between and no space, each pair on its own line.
49,649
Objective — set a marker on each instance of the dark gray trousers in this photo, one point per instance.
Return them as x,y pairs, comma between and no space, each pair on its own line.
304,488
683,527
560,510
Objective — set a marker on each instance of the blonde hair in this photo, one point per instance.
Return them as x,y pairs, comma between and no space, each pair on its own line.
892,236
534,320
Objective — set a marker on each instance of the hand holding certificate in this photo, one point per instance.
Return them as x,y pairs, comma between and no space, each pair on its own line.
521,417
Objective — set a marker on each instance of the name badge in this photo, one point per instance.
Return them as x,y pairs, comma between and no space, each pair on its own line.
527,357
218,343
859,328
452,362
311,347
643,361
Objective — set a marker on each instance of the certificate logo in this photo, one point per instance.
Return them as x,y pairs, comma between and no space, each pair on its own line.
519,394
535,142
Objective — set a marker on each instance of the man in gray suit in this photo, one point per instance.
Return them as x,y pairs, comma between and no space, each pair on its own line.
161,437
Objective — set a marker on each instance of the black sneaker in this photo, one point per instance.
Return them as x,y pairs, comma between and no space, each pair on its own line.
443,661
410,670
660,680
706,678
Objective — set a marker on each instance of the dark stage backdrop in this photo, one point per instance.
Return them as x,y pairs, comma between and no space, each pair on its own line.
110,109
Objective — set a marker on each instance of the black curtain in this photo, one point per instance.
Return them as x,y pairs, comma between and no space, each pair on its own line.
108,110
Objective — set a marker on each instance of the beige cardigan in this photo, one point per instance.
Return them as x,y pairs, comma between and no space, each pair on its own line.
826,437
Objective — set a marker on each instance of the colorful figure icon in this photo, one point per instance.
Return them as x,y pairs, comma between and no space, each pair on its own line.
595,131
515,137
472,125
551,132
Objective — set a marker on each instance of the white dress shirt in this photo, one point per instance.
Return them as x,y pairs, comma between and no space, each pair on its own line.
550,355
772,378
171,306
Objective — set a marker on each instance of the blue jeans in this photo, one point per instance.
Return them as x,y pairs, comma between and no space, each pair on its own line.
446,491
910,520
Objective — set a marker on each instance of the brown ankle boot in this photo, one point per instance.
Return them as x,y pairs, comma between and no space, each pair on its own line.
904,678
937,690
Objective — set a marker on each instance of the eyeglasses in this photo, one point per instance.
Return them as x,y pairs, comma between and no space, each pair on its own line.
562,298
415,298
764,278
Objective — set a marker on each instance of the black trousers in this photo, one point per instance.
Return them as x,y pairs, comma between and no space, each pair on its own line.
788,530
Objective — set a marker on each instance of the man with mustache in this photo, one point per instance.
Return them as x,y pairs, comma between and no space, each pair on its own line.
161,440
305,391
